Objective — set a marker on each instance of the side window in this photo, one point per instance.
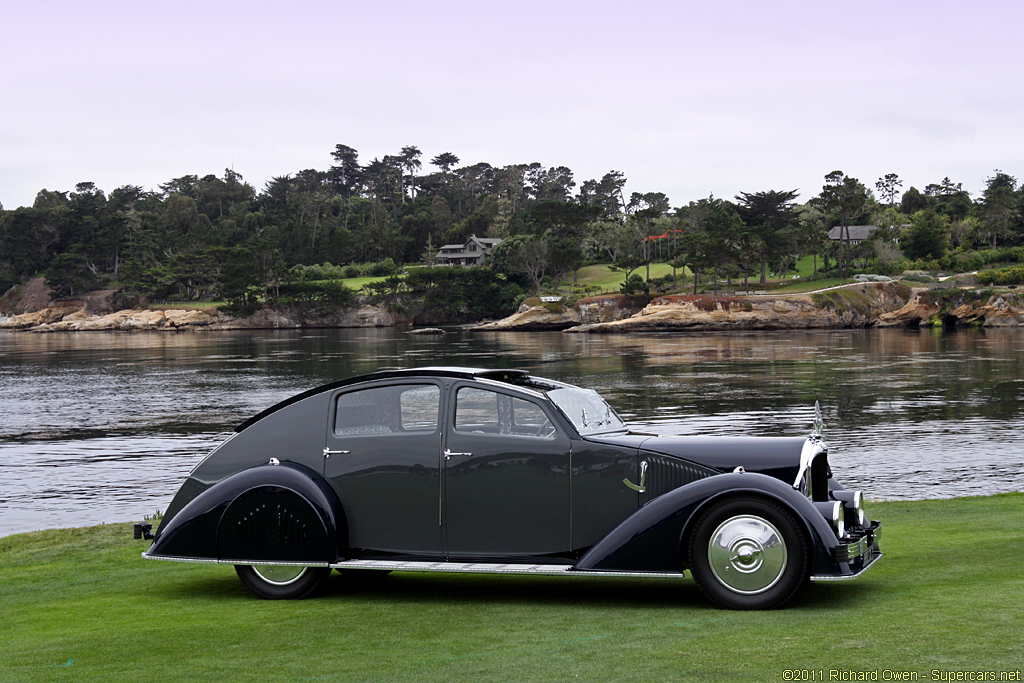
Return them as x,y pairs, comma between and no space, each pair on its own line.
489,412
419,407
387,410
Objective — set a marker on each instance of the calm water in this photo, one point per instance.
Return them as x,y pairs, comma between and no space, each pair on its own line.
103,427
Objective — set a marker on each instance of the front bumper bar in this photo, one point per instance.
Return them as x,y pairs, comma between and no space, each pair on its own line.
856,557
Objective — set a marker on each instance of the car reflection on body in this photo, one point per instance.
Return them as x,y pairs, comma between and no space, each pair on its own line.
497,471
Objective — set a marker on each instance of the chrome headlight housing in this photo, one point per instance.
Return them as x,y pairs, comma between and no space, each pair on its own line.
853,503
838,519
833,512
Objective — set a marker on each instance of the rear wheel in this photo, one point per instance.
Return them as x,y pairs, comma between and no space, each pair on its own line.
748,553
282,582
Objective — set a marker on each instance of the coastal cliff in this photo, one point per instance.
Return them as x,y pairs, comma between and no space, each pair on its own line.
74,316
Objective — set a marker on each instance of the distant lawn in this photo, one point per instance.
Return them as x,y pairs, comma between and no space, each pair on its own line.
358,283
82,605
607,279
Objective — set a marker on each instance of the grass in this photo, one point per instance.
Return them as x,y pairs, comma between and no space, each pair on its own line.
609,280
357,283
81,605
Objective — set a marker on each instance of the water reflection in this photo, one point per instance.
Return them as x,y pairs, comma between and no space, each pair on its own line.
103,426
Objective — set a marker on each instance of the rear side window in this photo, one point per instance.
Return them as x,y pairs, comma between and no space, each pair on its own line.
388,410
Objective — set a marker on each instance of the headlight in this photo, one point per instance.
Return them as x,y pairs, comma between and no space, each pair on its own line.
838,519
853,502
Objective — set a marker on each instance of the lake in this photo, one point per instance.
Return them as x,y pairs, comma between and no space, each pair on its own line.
104,426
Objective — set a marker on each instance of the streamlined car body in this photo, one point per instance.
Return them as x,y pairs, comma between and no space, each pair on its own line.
474,470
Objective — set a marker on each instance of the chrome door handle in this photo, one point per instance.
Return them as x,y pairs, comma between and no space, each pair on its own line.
328,452
643,479
448,454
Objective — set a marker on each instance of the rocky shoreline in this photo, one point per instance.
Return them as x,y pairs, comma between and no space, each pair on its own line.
63,318
854,306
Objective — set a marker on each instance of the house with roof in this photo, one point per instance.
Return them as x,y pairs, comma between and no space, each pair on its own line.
857,233
473,252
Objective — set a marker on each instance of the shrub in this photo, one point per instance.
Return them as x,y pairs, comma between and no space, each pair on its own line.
322,295
634,284
1002,276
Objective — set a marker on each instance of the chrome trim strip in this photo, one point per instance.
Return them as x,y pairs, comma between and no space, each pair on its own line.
492,568
848,577
202,560
506,386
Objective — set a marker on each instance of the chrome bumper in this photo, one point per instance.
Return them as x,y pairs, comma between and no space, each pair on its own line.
858,555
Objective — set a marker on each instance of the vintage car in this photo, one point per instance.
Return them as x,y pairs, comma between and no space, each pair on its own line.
471,470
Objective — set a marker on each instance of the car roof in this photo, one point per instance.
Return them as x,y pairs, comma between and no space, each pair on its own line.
509,376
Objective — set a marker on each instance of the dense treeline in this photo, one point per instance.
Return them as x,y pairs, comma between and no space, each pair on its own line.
218,237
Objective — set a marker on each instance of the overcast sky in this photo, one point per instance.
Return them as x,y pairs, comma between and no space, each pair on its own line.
686,98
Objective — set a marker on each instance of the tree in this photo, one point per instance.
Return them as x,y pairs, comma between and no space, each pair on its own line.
522,254
69,274
346,173
772,219
445,161
888,187
927,237
846,199
913,201
1000,209
606,193
410,160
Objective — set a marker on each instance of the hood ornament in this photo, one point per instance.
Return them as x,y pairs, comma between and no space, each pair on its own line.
819,423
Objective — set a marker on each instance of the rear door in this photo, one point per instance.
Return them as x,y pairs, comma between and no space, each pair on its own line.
383,455
506,476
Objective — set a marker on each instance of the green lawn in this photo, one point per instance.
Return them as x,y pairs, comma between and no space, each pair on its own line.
609,280
357,283
82,605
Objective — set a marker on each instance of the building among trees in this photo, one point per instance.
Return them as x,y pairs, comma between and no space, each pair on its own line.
857,233
473,252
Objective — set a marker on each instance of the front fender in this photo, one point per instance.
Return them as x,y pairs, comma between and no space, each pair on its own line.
652,538
284,512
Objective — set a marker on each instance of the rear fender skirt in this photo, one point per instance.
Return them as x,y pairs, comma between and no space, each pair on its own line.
651,539
283,512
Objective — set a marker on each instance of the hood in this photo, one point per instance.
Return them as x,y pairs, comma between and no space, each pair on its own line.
775,456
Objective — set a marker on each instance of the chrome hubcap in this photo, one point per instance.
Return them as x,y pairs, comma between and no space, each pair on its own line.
279,574
747,554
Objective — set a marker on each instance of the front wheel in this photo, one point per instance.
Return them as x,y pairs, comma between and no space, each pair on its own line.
282,582
748,553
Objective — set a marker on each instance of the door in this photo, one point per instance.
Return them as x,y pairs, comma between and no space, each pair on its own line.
506,477
383,455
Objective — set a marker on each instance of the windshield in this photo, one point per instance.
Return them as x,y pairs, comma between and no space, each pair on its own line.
587,411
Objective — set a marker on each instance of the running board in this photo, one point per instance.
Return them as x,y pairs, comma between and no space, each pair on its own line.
492,568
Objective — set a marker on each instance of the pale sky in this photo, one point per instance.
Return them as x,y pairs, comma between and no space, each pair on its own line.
685,98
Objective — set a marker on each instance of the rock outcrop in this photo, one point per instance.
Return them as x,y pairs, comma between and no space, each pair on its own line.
954,307
856,306
535,318
74,317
